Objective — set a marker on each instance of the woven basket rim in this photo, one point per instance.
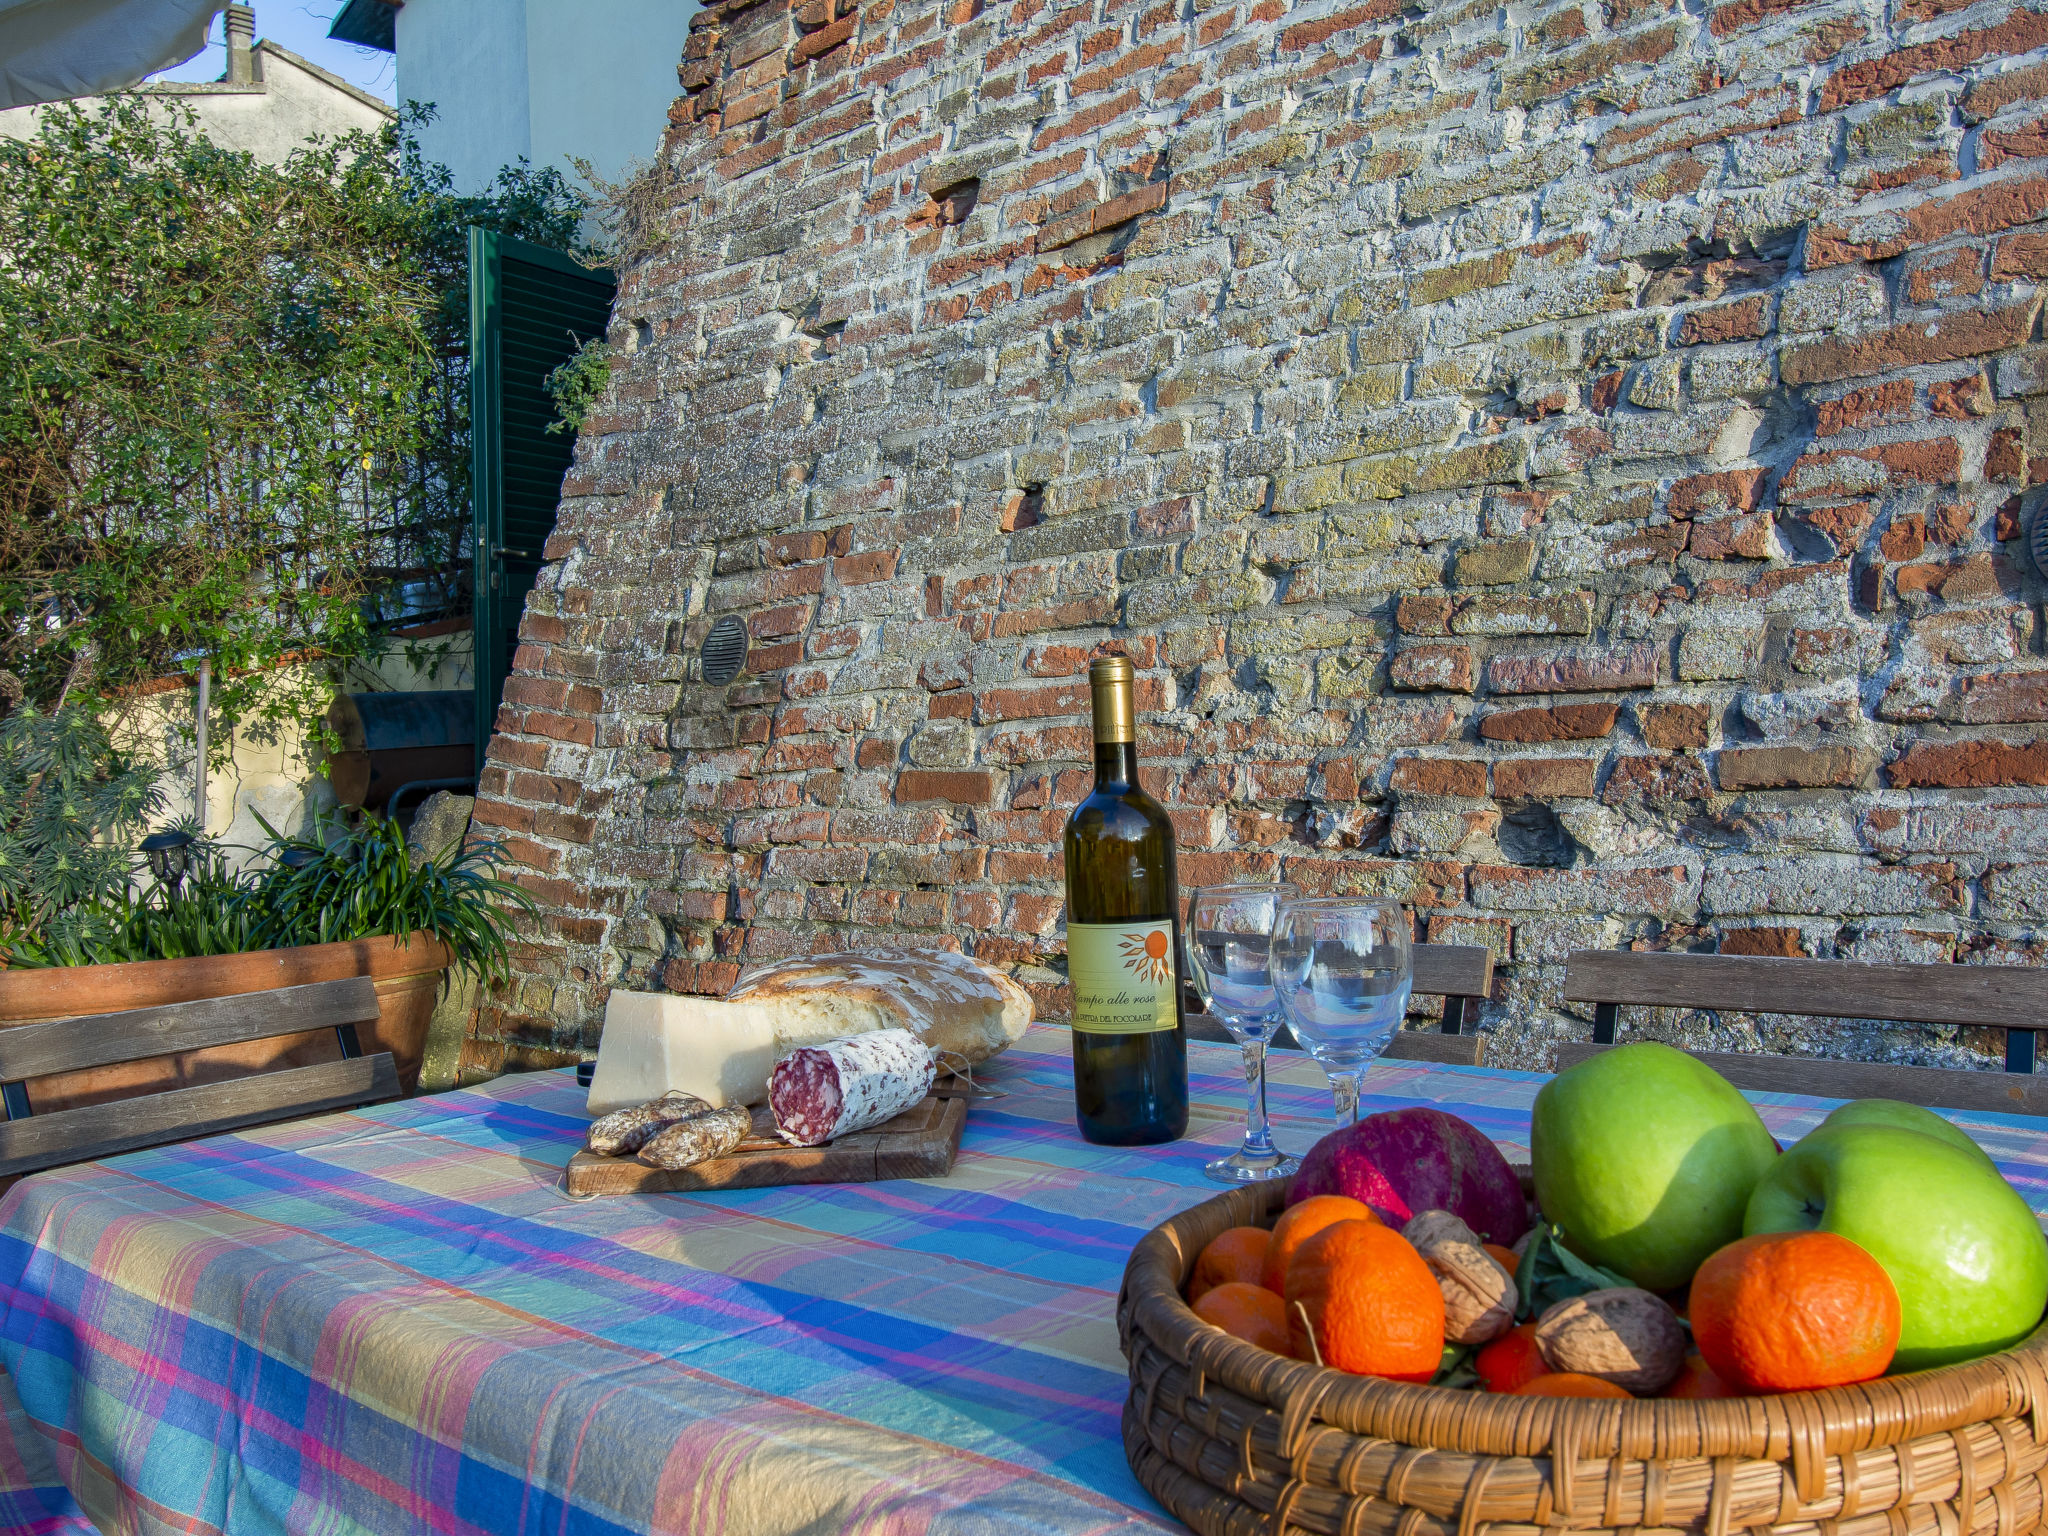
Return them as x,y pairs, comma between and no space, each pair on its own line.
1885,1411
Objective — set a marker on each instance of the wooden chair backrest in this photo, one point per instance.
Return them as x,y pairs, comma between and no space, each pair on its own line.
1461,974
29,1141
2011,997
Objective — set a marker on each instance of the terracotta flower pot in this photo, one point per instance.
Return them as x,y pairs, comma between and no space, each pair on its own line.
407,973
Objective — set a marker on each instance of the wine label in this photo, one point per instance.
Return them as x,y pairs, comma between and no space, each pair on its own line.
1123,977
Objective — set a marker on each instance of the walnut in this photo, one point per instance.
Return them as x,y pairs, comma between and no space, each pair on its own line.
1623,1335
1479,1293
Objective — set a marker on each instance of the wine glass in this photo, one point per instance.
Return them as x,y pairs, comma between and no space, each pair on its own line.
1230,928
1343,971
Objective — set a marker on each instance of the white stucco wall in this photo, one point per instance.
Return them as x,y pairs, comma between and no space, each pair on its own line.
294,101
547,79
277,773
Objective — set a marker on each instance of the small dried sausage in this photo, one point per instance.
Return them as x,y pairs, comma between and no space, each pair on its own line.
700,1138
627,1130
831,1090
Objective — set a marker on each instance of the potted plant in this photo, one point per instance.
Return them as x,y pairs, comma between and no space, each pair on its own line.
77,939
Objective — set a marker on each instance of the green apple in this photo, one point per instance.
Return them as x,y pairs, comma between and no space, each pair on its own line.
1645,1158
1906,1117
1961,1246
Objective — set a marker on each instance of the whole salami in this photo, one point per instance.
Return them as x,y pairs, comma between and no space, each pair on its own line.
826,1091
627,1130
700,1138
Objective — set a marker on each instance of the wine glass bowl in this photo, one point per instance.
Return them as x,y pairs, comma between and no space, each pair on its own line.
1229,952
1342,969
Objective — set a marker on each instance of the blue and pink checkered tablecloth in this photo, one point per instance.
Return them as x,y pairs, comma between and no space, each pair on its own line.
393,1321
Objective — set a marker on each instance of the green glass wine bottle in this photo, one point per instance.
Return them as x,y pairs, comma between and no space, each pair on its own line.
1123,939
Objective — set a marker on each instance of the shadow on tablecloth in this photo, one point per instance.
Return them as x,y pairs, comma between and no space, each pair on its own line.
33,1499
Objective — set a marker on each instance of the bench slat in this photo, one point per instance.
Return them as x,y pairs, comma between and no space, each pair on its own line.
1453,970
2001,1093
97,1040
1407,1044
124,1125
2013,996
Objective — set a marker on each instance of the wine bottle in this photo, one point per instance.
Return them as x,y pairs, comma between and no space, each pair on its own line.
1123,939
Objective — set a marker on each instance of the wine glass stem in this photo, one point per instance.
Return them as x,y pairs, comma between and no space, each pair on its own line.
1258,1137
1344,1090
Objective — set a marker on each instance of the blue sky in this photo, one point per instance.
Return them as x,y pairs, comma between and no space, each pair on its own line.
300,25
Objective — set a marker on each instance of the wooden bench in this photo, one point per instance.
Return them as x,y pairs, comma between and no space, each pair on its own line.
29,1141
2011,997
1461,974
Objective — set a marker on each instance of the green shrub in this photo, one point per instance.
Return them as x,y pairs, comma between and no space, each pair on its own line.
364,881
70,805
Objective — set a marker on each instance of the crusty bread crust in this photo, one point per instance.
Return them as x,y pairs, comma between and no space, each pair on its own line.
955,1004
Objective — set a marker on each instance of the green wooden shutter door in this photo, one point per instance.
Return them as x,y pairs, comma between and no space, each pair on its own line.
529,310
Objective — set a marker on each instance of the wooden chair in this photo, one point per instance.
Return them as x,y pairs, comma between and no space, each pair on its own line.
2011,997
1461,974
30,1141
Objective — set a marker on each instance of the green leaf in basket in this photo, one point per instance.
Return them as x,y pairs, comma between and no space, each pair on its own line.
1455,1369
1550,1273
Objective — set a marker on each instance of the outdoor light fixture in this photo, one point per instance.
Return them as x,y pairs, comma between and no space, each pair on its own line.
169,855
297,858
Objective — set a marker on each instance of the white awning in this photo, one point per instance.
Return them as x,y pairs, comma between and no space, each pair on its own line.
52,50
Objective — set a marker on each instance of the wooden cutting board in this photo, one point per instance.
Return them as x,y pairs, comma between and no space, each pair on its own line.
920,1143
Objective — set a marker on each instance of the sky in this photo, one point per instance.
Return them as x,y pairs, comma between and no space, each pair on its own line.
301,26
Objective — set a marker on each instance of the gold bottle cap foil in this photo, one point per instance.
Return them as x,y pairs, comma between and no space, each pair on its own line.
1109,681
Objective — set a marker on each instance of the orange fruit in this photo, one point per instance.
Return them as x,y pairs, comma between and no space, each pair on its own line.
1509,1259
1238,1254
1299,1223
1374,1305
1568,1384
1248,1312
1792,1311
1508,1361
1696,1380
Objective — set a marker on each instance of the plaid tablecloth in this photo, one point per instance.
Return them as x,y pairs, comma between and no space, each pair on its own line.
393,1321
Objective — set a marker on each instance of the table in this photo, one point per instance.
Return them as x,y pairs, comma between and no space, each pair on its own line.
391,1320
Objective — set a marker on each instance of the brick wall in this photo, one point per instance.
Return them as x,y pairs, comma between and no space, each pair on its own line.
1559,465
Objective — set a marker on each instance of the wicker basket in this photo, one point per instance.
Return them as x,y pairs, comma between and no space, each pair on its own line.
1236,1441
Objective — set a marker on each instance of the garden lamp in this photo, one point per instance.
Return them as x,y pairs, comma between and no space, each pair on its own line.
169,855
297,858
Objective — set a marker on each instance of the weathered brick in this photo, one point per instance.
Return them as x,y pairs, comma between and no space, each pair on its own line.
1957,334
959,787
1969,764
1550,722
1460,777
1738,320
1873,406
1980,210
1841,472
1577,671
1668,726
1788,767
1737,489
1423,667
1765,939
1545,778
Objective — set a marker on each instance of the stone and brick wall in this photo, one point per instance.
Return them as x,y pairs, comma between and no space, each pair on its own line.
1563,465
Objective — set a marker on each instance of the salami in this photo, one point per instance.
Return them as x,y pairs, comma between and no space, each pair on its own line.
627,1130
822,1092
701,1137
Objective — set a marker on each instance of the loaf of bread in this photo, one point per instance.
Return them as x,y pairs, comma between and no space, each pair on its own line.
723,1051
956,1005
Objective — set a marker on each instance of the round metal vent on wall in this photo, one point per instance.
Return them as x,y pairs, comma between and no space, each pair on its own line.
723,655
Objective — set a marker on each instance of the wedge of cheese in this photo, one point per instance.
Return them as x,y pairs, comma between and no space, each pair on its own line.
657,1041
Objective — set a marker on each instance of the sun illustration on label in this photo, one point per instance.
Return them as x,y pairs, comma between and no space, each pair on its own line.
1145,955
